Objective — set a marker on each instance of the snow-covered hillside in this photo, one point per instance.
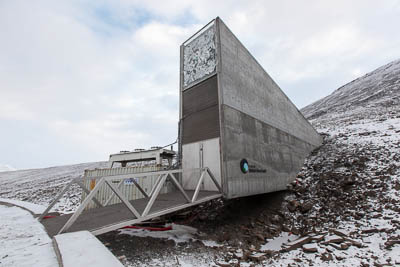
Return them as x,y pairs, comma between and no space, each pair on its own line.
374,92
346,198
40,186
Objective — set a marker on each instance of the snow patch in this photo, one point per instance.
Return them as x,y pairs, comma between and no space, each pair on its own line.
276,243
81,249
179,233
23,240
34,208
211,243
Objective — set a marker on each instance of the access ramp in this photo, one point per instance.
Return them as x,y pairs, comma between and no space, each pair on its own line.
106,218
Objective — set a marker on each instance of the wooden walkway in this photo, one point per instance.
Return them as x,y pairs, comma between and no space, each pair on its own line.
112,217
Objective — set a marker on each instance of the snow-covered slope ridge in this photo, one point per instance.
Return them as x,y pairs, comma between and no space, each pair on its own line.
40,186
6,168
377,89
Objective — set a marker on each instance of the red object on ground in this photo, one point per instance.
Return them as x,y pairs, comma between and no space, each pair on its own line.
148,228
49,216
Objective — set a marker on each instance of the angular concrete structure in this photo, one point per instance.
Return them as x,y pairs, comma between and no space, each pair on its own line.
235,120
239,135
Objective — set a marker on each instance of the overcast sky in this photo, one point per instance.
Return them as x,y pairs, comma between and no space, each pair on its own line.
82,79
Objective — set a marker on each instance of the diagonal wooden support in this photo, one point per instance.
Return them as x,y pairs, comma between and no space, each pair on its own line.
56,199
112,194
155,185
154,195
214,180
140,188
81,185
196,192
180,188
80,209
123,199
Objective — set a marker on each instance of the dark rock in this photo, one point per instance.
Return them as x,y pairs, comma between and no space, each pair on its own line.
310,248
390,243
326,256
307,206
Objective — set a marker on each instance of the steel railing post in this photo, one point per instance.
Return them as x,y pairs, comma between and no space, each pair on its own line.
154,195
122,198
112,193
214,180
140,188
81,185
56,199
156,184
196,192
82,206
173,178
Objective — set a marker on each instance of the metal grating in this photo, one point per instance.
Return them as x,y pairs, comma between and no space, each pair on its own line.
200,112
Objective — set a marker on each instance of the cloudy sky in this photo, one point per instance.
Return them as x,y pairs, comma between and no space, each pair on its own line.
82,79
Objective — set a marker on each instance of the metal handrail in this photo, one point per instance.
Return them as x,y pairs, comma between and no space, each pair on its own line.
155,191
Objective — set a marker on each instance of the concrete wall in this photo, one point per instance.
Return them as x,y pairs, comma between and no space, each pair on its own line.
280,154
258,123
247,87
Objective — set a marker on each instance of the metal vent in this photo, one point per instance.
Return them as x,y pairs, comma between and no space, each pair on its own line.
200,112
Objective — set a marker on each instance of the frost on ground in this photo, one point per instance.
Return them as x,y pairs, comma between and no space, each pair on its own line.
23,240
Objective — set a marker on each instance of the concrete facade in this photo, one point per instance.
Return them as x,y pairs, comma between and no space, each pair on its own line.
259,125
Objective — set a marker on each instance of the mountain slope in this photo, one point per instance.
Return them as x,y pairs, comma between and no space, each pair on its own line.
349,189
40,186
377,89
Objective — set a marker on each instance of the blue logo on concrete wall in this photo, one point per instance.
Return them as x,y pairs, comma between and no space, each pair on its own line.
244,166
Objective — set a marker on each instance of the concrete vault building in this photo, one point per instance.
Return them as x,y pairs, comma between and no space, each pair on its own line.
239,135
235,120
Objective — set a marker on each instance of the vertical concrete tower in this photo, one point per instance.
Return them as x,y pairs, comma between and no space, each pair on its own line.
235,119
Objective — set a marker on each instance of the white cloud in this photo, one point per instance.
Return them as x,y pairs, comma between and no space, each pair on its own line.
93,77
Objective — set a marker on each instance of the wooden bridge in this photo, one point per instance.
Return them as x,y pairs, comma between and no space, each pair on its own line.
107,218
